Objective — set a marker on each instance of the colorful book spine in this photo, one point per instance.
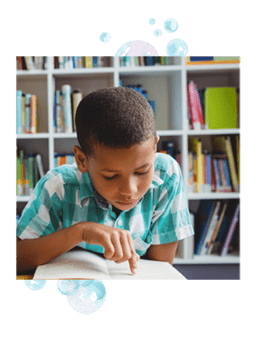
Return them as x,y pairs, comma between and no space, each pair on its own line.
33,114
19,111
193,106
77,97
66,91
231,164
23,113
226,245
199,166
27,113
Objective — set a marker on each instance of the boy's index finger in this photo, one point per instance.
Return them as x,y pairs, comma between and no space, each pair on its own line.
133,263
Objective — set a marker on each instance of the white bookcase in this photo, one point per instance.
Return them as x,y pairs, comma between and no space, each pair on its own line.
166,85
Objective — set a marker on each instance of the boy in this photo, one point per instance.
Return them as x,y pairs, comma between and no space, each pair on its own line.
122,199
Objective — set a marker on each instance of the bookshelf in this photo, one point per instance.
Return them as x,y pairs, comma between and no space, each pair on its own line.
165,84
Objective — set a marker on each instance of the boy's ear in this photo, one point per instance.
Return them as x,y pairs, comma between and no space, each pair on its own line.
80,158
157,140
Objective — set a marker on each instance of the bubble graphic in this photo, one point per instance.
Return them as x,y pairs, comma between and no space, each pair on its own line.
171,25
177,47
157,32
137,48
68,287
89,297
35,285
105,37
152,21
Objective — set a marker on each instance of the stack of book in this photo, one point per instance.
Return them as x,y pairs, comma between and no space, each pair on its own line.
217,171
31,63
217,227
29,171
66,101
128,61
78,62
26,113
212,60
213,108
63,158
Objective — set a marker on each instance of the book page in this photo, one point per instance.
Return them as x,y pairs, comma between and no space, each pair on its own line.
75,264
146,270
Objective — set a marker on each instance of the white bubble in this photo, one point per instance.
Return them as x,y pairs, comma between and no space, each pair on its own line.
170,25
67,287
89,297
157,32
137,48
105,37
35,285
177,47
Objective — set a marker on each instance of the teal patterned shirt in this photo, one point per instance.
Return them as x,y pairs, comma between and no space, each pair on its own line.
65,196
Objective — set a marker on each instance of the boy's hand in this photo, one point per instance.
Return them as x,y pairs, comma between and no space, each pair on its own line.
118,243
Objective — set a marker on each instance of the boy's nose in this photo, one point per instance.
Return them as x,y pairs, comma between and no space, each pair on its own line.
128,188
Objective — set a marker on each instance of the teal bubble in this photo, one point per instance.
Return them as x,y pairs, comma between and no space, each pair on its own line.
157,32
68,287
105,37
35,285
152,21
177,47
171,25
89,297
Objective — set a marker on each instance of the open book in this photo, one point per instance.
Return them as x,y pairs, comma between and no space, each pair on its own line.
81,264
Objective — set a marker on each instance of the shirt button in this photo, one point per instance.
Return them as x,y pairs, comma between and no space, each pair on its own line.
120,222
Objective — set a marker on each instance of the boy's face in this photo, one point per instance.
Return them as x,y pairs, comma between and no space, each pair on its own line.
121,175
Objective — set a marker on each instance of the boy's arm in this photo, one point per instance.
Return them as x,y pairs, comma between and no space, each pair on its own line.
117,243
34,252
165,252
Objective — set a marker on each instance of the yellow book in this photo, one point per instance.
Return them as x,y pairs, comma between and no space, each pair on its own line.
238,156
220,107
232,168
224,144
88,62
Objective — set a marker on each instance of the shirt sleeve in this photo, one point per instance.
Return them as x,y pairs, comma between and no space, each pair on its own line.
171,219
42,215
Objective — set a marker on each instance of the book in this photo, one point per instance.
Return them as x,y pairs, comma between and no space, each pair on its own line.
33,114
220,108
225,144
66,91
82,264
195,109
210,244
212,60
199,166
226,245
210,229
202,221
19,111
77,97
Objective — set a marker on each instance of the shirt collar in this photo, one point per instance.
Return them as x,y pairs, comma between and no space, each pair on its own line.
87,190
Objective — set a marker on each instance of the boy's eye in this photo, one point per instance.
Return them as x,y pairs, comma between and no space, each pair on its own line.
137,173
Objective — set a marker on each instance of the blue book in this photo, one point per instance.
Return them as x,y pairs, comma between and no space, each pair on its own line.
202,221
219,183
95,62
27,113
200,59
227,174
19,111
73,62
66,90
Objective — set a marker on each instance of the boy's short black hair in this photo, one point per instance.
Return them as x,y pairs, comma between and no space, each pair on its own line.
117,117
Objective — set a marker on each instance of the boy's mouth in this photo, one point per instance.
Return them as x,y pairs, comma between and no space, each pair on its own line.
127,203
